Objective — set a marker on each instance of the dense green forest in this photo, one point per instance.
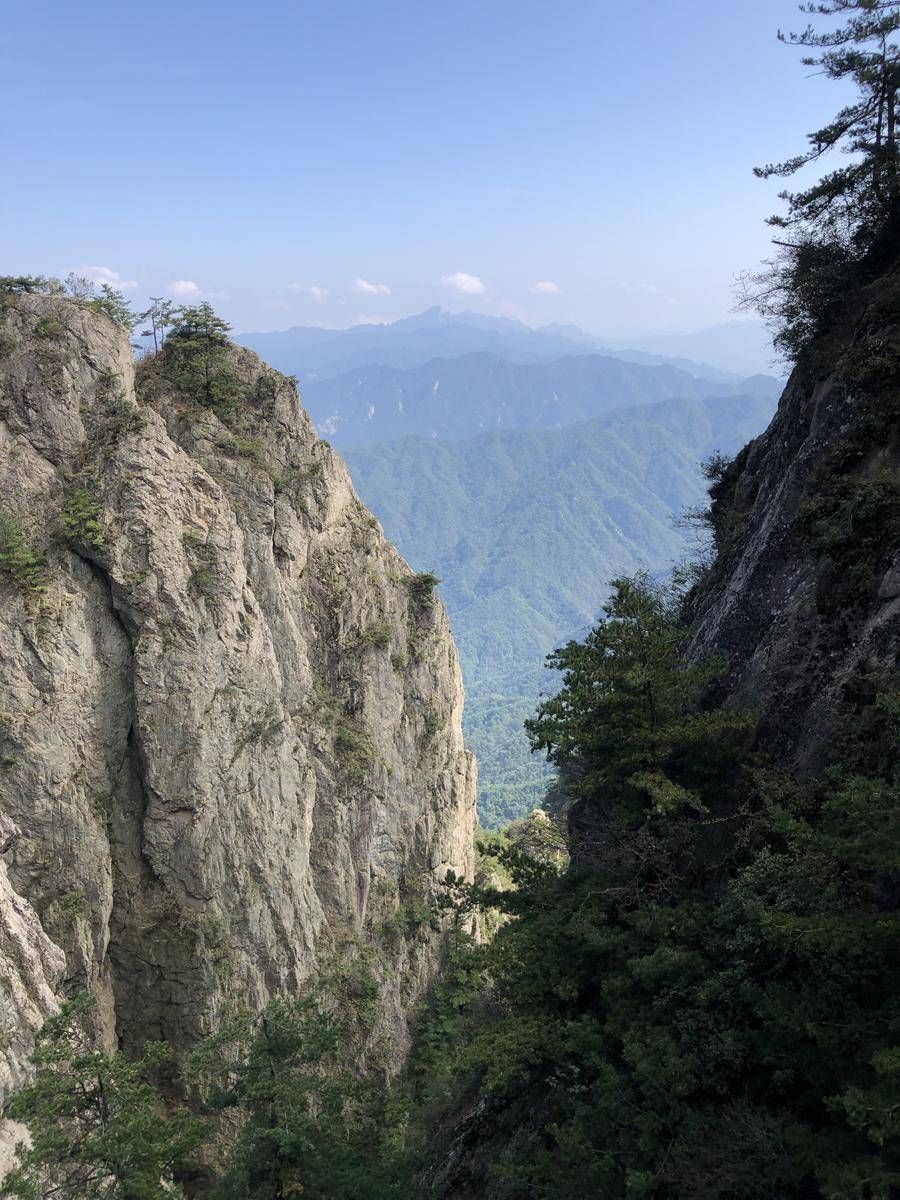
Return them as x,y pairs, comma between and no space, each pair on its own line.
525,529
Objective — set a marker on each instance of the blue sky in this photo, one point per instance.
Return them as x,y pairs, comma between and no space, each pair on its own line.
327,161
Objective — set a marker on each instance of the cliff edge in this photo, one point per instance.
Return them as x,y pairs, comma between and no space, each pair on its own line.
229,711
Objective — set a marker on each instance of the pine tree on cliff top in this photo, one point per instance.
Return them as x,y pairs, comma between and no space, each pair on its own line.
839,230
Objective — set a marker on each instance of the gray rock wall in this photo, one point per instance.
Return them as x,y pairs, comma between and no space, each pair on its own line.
229,732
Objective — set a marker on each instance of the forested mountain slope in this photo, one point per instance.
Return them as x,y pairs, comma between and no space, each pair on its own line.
526,529
449,399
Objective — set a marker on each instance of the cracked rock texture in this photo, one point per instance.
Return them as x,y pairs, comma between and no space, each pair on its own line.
31,968
806,606
229,725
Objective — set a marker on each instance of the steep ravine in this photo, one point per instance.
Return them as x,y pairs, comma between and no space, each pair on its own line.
802,606
230,724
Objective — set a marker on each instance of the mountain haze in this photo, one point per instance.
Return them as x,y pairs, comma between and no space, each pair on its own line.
456,398
312,353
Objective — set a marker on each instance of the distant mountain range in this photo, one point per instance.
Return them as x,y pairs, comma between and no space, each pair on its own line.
526,467
456,398
526,528
744,347
737,349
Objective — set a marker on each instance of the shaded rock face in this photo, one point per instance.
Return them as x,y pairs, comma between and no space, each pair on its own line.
31,969
230,728
805,596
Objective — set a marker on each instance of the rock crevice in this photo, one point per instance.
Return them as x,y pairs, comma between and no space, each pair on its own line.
231,735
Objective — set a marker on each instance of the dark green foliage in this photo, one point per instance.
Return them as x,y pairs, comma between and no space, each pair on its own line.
842,228
99,1127
624,723
18,561
82,291
311,1124
705,1004
353,749
162,315
432,724
113,303
854,523
421,589
196,361
14,285
251,448
81,518
9,343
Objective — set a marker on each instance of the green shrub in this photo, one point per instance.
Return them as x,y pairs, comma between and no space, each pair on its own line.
374,637
253,449
9,343
266,389
48,328
19,285
433,724
421,588
196,360
354,749
81,517
99,1124
18,561
294,476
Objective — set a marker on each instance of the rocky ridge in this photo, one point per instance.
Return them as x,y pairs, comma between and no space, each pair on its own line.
229,712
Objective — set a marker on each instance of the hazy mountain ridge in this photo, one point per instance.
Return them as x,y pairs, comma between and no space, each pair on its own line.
457,398
313,353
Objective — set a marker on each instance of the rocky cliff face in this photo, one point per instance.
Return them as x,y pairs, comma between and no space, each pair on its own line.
229,713
804,598
31,970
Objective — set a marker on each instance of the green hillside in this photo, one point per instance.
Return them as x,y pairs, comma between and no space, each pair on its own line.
526,529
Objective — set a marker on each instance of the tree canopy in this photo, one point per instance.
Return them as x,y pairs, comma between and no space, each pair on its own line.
838,230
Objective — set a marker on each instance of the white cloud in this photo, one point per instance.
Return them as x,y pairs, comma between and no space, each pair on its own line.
546,287
184,287
107,275
468,285
319,294
371,289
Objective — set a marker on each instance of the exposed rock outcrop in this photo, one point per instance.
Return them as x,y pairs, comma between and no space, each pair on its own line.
805,596
31,969
229,714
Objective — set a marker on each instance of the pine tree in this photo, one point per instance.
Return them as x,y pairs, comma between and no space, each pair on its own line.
98,1124
839,231
161,314
197,359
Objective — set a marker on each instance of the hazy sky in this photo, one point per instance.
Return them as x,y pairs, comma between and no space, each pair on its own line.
327,161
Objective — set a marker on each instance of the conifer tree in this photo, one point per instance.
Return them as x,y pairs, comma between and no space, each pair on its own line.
98,1124
161,314
839,232
197,360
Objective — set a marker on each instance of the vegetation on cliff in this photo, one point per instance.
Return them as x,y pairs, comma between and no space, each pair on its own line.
702,1002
